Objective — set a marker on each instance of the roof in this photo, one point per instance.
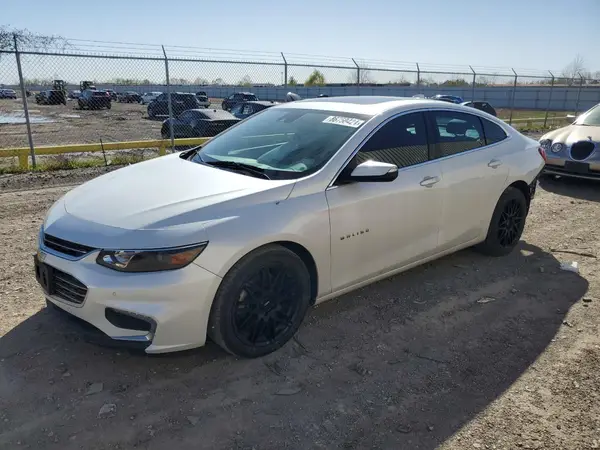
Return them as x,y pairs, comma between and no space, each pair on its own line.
371,105
261,102
214,114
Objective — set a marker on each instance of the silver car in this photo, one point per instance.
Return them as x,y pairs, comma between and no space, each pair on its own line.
296,205
574,151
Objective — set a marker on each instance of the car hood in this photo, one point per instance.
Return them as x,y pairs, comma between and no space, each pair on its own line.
573,133
168,195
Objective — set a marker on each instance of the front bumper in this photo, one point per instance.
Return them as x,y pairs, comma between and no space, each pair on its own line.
177,303
560,170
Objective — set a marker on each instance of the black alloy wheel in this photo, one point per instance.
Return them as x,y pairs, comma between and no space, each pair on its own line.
510,223
261,302
266,306
507,223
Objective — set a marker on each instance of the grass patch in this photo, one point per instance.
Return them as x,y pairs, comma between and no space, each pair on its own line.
66,162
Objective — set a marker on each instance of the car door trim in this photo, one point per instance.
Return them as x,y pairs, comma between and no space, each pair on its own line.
427,125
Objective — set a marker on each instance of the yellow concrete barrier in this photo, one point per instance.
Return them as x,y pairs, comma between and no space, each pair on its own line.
161,144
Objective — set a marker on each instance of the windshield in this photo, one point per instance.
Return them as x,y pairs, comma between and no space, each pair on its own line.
591,117
284,143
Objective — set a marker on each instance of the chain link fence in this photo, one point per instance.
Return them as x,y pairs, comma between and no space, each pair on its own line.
44,94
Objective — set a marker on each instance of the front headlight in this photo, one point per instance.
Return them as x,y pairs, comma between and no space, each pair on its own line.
149,260
545,144
557,147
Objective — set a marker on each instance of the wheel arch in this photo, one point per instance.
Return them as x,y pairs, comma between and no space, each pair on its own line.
524,188
299,250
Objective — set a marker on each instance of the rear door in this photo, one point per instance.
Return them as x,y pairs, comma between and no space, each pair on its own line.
473,172
379,226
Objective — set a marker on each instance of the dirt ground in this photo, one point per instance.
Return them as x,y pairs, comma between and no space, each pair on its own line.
70,125
464,352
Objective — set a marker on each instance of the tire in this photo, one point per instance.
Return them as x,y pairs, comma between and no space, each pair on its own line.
506,225
237,319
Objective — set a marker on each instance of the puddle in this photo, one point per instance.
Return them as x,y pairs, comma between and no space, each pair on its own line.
16,119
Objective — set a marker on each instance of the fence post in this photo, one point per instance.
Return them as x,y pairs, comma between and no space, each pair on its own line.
578,93
418,77
512,100
285,71
357,76
549,98
473,87
25,107
169,100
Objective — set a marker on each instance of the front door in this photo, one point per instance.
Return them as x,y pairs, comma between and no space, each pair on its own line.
379,226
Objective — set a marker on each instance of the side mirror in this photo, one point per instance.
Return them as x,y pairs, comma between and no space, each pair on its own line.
571,117
371,171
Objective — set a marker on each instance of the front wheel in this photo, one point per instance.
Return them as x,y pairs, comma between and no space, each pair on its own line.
261,302
506,225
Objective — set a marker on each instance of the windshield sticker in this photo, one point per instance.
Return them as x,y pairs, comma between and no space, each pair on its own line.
344,121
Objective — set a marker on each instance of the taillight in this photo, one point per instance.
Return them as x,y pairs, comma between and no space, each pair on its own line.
543,154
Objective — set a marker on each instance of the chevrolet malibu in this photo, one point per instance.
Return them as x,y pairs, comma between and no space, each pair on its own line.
298,204
574,151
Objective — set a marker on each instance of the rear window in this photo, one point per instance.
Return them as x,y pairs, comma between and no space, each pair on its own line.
493,133
250,97
201,93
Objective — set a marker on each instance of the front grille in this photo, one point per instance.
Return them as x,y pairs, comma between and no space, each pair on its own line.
581,150
68,287
66,247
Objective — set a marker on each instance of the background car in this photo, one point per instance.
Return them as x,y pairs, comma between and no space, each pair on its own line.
180,102
243,110
112,93
129,97
481,106
574,150
50,97
147,97
238,97
448,98
8,93
198,123
74,94
203,99
94,99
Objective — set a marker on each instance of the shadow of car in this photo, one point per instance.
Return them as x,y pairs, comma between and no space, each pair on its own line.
198,123
417,351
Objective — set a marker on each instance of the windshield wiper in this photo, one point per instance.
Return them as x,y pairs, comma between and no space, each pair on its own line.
255,171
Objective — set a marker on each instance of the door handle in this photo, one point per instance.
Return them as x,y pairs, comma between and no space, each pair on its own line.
495,163
429,181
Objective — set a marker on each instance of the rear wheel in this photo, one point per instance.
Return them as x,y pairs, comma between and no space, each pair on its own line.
506,225
261,302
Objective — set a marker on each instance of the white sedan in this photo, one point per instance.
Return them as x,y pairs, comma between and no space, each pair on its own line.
298,204
147,97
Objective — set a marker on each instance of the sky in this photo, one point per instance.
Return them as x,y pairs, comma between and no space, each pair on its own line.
525,34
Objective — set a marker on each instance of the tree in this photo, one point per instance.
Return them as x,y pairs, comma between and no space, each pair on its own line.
292,81
572,70
26,40
365,77
218,82
246,81
316,78
201,81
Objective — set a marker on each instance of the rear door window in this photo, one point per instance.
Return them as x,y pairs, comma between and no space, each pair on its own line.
493,133
455,132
